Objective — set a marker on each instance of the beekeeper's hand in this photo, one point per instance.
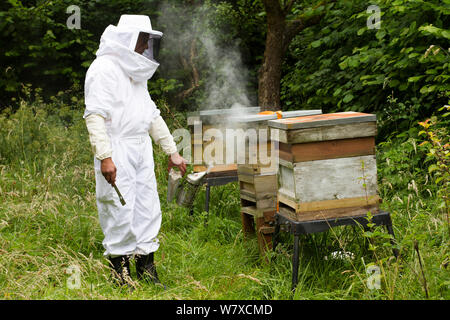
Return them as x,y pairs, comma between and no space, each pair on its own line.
109,170
175,160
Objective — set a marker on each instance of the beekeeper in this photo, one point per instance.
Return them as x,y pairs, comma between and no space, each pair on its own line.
120,115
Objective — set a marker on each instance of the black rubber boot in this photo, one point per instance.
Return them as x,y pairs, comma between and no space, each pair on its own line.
146,269
121,268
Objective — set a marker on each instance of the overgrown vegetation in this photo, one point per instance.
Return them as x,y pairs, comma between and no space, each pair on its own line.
49,226
341,64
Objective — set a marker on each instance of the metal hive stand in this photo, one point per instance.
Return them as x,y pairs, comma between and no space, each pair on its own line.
312,226
213,180
217,181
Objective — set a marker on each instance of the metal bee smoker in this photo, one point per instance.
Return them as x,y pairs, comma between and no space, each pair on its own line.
188,188
175,178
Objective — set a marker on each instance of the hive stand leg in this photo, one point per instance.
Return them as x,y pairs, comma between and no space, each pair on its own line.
207,198
248,225
264,240
259,223
295,262
275,234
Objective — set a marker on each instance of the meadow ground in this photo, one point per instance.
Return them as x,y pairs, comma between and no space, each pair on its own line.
50,236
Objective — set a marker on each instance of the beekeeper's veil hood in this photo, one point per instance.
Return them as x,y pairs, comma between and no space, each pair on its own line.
119,42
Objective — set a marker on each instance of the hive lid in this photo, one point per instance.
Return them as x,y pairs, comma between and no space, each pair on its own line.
230,111
244,115
251,118
219,115
321,120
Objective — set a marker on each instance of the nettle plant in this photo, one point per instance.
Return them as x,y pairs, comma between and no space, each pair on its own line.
435,130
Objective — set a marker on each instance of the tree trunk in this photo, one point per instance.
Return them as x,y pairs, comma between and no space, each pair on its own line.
280,33
270,72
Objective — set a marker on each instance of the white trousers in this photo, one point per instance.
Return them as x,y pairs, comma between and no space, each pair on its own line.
133,228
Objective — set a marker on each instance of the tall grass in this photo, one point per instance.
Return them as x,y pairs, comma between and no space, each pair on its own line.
49,231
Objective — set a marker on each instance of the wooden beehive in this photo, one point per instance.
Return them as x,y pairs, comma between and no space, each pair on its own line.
327,163
260,122
258,194
220,121
258,181
200,122
259,189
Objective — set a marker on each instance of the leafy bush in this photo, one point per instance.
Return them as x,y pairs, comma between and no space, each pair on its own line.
438,154
399,71
39,49
343,65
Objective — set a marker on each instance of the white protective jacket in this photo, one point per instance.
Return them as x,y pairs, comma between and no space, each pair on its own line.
119,115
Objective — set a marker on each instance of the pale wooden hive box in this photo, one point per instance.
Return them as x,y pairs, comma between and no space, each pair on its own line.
200,122
327,164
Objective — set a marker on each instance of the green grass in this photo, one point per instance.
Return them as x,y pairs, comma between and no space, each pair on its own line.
48,223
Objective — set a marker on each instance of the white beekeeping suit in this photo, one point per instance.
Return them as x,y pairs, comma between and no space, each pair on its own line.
119,115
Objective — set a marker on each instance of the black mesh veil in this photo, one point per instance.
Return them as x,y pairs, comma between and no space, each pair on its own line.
152,51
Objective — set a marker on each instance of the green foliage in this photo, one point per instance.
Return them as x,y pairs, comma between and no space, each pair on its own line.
162,87
413,167
410,185
39,49
343,65
337,65
36,129
438,154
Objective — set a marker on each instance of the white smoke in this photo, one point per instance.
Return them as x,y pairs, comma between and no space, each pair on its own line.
223,76
227,79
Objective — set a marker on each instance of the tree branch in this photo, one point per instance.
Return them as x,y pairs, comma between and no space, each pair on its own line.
287,8
294,27
195,77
